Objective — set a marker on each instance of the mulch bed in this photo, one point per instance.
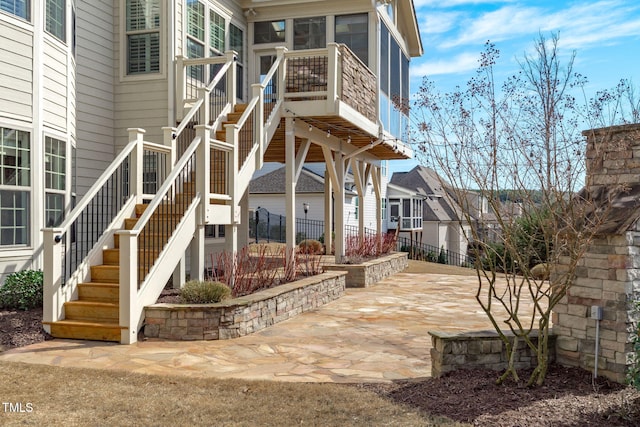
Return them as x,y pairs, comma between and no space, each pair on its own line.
21,327
568,397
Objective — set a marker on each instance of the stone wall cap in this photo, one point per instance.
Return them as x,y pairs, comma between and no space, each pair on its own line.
612,129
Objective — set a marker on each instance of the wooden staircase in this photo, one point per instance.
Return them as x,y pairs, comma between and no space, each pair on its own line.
95,314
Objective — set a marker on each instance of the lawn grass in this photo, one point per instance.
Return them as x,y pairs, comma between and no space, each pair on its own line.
78,397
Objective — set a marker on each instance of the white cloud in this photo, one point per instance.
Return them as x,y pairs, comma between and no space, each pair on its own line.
579,25
439,22
451,3
461,63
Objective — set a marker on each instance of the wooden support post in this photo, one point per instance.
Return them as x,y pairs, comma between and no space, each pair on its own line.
290,185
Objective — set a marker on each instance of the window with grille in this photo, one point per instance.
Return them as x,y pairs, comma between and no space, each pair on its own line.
55,166
55,19
236,42
143,36
217,33
19,8
15,187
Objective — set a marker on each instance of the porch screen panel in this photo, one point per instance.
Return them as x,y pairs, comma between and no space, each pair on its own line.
353,30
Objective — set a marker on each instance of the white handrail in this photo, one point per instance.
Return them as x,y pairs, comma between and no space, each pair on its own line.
164,189
195,107
95,188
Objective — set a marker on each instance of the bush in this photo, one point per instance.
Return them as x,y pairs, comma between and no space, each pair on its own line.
22,290
310,247
204,292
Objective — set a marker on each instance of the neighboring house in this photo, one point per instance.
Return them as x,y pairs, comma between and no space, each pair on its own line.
267,192
164,110
428,212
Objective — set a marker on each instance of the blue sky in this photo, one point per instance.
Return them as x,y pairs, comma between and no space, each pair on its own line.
604,34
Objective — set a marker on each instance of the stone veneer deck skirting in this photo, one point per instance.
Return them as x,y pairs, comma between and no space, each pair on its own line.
242,316
480,350
370,272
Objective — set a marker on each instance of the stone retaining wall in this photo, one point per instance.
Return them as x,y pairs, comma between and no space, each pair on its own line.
479,350
369,272
242,316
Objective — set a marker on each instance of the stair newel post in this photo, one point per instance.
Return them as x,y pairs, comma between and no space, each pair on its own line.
231,231
281,79
52,281
128,286
332,76
136,166
180,87
232,78
205,108
203,185
169,140
258,133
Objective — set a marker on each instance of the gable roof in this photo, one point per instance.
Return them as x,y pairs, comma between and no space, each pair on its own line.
438,204
274,182
309,181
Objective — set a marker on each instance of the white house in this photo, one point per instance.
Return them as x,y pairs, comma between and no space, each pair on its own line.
128,127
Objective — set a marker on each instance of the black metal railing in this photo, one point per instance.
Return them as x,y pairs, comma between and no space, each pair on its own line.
268,227
307,74
423,252
163,222
93,220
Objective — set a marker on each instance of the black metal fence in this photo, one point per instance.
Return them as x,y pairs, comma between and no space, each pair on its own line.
265,226
422,252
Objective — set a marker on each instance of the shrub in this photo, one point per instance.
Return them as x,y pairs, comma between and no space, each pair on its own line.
310,247
204,292
22,290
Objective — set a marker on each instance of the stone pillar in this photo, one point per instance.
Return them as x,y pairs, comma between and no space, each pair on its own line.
608,275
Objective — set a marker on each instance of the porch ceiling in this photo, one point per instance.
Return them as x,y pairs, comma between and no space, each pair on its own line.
340,128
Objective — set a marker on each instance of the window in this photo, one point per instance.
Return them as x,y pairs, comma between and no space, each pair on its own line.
54,181
310,33
20,8
55,19
216,32
357,206
383,208
143,36
195,37
236,42
268,32
353,30
214,231
15,182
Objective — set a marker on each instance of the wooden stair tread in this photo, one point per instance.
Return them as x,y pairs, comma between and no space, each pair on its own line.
86,323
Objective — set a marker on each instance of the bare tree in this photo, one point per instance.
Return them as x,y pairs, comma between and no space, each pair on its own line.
517,146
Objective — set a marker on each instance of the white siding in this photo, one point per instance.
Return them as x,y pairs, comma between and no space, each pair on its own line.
142,104
95,103
16,71
54,87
